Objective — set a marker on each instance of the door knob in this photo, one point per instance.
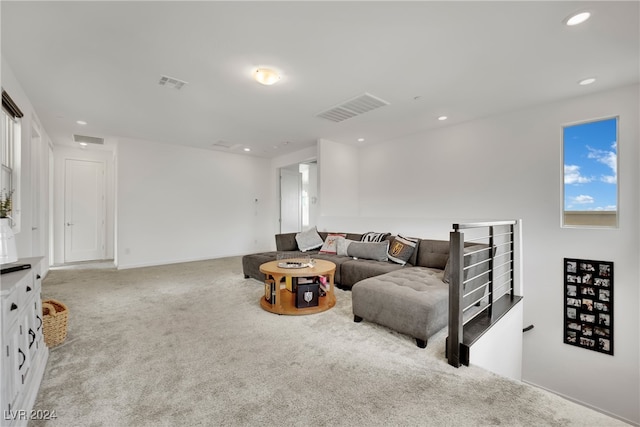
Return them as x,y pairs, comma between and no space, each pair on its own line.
69,224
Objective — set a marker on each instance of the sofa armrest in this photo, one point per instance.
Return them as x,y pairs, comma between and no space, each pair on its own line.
286,242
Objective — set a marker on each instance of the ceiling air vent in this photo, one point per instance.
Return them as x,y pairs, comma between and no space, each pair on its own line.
225,144
171,82
88,139
353,107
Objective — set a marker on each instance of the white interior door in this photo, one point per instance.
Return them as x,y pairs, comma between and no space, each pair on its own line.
84,213
290,201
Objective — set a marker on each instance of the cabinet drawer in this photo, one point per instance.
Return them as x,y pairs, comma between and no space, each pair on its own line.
24,288
10,308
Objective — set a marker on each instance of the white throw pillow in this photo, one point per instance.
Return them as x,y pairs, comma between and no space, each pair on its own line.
341,245
330,245
309,239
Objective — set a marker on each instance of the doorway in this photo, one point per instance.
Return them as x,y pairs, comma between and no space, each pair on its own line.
298,196
84,210
290,201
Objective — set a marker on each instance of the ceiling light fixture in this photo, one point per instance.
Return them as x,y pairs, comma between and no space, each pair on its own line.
84,144
247,149
266,76
442,118
360,139
81,122
587,81
577,18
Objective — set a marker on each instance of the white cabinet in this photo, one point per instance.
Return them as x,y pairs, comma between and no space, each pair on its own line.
24,353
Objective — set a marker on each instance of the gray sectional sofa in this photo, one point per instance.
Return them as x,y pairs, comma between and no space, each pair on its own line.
411,299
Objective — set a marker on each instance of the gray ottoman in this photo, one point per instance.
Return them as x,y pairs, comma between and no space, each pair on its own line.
412,301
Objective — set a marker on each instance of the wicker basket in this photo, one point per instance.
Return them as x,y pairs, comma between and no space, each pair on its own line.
54,322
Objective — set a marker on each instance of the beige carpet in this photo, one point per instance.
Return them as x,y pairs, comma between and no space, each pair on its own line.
189,345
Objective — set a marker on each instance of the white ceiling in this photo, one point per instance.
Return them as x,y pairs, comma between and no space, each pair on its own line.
101,62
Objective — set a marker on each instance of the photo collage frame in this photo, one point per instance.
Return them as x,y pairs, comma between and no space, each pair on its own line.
588,304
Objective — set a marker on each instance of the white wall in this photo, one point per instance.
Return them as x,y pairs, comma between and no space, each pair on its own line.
25,200
177,204
337,178
510,167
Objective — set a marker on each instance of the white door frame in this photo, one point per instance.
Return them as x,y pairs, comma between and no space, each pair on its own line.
287,198
97,252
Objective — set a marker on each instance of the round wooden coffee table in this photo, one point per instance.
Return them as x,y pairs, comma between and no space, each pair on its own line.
285,300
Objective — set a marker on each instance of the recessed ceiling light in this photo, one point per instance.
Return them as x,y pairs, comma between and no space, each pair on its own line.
360,139
81,122
266,76
577,18
587,81
247,149
84,144
441,118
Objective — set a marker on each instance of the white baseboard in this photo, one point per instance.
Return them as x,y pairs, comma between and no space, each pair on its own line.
602,411
175,261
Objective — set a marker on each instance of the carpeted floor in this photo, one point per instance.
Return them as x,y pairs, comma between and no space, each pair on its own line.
188,344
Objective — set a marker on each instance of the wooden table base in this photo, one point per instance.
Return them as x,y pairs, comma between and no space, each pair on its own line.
286,300
288,304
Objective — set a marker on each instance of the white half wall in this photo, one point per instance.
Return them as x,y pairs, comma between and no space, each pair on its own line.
499,350
510,167
178,204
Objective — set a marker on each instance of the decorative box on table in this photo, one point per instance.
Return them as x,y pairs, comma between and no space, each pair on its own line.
307,295
270,291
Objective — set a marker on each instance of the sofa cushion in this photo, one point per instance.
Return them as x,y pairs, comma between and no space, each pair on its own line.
401,249
330,245
309,239
376,251
354,270
286,242
251,264
432,253
338,261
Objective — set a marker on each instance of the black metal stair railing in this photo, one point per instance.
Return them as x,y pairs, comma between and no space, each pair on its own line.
481,284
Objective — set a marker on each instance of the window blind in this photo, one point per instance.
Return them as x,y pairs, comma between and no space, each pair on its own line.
10,106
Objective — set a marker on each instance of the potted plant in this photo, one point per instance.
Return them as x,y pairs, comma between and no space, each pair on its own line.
8,252
6,203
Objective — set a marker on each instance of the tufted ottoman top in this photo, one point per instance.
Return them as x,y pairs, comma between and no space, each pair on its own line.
413,301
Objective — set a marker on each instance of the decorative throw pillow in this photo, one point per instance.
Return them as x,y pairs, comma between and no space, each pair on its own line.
376,251
330,245
341,245
401,249
374,237
309,239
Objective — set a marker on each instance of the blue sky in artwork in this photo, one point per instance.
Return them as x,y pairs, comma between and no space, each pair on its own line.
590,166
